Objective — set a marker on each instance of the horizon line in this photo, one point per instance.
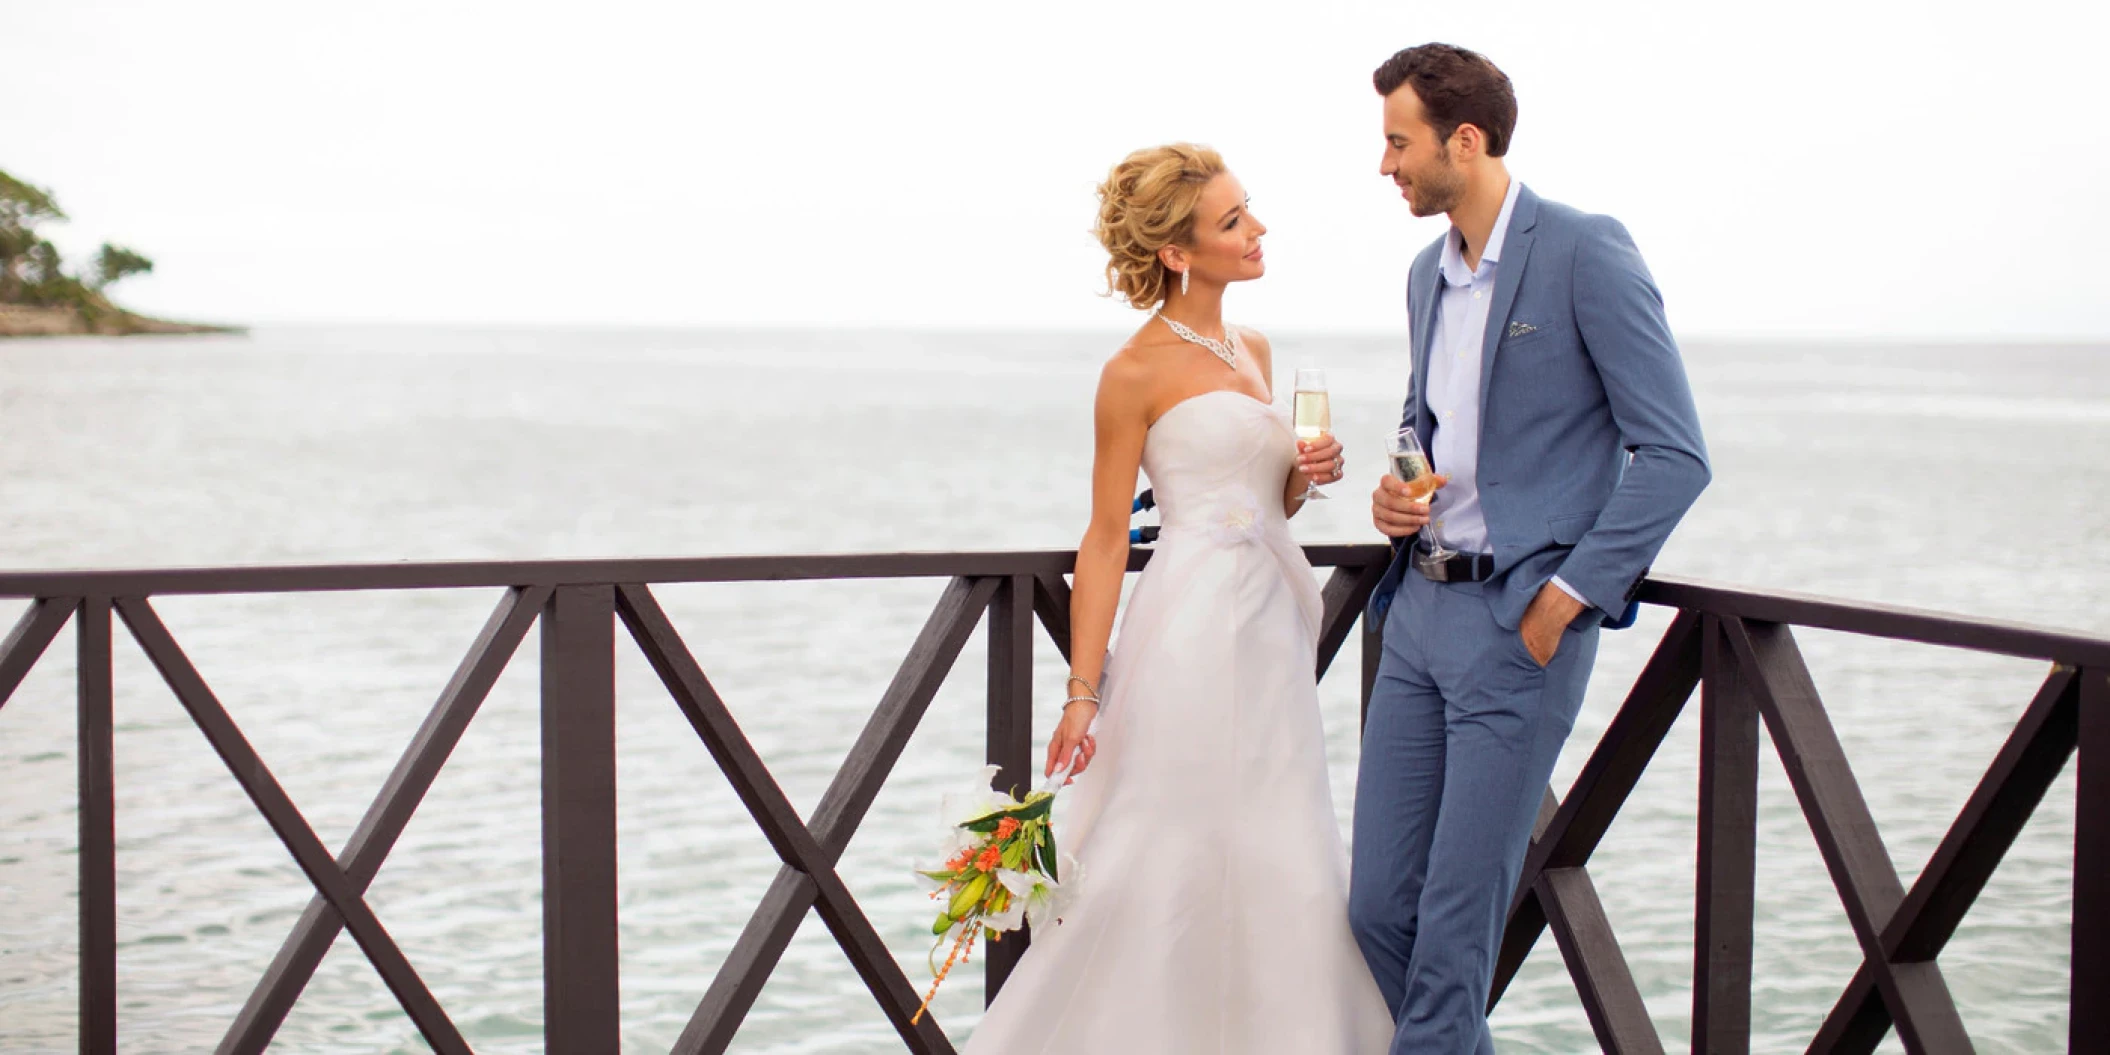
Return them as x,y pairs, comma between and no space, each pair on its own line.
1856,337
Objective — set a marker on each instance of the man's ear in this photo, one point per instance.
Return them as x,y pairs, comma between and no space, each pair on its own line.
1468,141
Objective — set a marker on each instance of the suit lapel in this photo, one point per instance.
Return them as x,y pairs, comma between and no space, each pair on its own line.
1422,319
1509,274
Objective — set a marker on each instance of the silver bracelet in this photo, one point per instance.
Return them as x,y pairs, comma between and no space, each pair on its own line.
1093,700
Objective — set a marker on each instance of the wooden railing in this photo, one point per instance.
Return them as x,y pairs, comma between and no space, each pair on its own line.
1735,646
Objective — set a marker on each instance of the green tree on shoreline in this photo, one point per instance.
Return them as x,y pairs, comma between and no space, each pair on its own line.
25,260
114,262
32,271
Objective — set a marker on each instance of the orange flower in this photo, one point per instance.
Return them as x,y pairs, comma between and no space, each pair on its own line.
990,858
1007,827
960,860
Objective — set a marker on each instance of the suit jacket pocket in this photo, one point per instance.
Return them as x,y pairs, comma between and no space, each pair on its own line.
1535,339
1569,530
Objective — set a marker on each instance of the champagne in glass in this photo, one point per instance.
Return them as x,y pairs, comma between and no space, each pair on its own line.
1410,463
1412,468
1313,416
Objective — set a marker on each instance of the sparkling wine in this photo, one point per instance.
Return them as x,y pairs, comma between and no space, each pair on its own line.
1314,418
1412,468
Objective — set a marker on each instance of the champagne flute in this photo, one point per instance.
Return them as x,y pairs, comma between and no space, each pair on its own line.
1411,465
1313,416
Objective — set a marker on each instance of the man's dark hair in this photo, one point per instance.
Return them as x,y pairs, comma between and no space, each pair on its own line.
1456,87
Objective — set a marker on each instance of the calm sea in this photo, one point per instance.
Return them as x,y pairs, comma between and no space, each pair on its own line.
1965,478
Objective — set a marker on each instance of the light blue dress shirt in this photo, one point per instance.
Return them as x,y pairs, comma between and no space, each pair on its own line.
1453,385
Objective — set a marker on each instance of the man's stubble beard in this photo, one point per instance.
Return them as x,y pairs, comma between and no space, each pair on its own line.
1440,195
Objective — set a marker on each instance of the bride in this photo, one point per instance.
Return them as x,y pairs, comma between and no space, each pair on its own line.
1213,912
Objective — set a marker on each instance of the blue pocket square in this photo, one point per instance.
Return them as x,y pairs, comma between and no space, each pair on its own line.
1519,329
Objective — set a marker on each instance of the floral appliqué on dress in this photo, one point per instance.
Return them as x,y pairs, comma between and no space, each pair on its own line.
1235,519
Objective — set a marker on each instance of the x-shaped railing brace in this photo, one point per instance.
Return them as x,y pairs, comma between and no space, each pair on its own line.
344,895
386,817
808,878
1987,825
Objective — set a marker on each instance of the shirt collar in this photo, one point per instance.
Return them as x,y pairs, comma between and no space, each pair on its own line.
1455,272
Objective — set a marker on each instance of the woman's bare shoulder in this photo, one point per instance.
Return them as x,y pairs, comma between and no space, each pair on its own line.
1142,359
1256,341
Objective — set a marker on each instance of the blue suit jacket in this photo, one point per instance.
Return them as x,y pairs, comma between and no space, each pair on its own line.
1590,447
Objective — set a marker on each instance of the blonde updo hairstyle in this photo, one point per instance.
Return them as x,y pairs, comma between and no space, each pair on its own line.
1146,204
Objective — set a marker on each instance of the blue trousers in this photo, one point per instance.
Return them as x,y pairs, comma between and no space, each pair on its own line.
1463,730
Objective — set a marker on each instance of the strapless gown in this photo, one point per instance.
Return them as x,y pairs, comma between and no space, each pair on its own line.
1212,911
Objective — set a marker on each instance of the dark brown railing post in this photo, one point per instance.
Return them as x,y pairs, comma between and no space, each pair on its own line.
1727,882
98,820
1010,732
579,991
2089,993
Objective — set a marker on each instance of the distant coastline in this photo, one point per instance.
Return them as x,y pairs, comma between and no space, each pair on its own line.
23,320
41,297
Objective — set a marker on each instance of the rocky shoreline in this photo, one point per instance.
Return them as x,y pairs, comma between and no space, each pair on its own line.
18,320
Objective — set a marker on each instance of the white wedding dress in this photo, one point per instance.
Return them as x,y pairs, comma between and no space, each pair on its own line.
1211,913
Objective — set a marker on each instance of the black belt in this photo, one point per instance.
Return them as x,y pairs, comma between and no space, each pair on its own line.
1459,567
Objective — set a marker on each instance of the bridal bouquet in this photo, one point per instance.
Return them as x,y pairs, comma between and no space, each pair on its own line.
1000,869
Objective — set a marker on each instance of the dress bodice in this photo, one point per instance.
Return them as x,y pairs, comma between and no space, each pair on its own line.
1217,463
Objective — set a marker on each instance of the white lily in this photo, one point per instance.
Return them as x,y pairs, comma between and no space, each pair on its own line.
1021,886
956,840
1058,897
1035,899
983,799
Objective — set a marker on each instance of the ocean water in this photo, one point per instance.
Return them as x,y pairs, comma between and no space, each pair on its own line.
1968,478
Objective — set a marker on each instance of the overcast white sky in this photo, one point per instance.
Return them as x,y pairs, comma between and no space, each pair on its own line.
1788,167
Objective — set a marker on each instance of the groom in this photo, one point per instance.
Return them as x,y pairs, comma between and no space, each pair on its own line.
1547,387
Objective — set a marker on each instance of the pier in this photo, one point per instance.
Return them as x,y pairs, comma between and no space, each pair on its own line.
1730,653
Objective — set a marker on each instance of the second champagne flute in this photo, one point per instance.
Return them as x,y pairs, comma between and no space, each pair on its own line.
1313,417
1411,465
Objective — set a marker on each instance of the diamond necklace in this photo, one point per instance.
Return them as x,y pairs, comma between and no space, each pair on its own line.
1223,349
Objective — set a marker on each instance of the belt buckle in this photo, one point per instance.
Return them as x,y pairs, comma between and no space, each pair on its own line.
1432,569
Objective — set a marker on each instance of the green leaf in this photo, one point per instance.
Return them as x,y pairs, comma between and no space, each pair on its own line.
1035,807
1047,857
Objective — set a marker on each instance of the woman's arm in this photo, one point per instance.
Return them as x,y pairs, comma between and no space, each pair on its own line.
1120,423
1294,487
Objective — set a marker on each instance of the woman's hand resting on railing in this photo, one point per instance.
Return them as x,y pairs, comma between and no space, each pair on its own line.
1073,736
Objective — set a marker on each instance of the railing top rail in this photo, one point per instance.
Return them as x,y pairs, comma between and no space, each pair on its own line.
1920,625
447,575
1856,617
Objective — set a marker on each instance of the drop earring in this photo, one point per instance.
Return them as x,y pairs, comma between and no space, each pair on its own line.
1183,282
